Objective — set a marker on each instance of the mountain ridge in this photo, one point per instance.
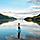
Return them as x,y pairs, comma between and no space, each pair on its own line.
4,18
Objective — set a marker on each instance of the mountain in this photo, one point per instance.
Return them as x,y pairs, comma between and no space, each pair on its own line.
35,19
4,18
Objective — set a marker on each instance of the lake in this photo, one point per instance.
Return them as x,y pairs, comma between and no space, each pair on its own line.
29,30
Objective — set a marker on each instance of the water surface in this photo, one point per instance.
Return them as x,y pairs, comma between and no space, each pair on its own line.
28,29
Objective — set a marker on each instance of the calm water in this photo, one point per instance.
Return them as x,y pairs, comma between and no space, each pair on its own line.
10,30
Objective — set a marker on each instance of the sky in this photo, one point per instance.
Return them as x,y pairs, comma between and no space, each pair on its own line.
14,5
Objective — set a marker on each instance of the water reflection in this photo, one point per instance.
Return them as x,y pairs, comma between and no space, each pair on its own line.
29,31
37,22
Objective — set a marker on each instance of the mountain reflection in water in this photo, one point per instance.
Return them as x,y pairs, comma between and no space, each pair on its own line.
29,31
